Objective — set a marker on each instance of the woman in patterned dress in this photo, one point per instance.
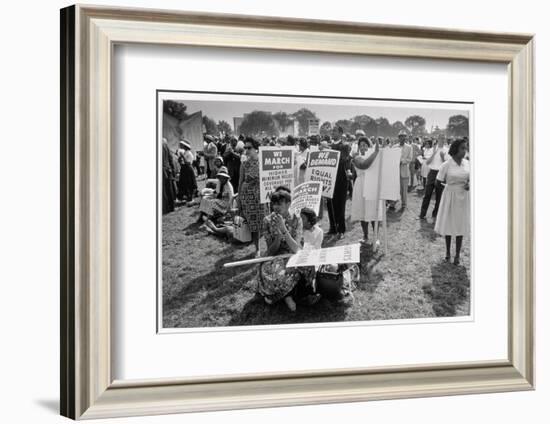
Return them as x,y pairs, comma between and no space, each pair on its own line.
453,216
249,192
283,234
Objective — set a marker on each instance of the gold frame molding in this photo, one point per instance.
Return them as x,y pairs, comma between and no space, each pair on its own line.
88,34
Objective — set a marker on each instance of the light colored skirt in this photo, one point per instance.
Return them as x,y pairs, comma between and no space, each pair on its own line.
362,209
453,216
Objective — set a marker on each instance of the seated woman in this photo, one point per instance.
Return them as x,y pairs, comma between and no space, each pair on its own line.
304,292
215,208
283,233
313,234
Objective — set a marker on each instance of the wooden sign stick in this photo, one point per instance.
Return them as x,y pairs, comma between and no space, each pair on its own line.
377,204
256,260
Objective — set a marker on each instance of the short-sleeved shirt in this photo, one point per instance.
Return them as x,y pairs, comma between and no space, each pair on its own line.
437,161
185,156
293,224
453,173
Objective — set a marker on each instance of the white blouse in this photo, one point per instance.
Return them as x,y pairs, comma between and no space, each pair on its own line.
313,239
454,174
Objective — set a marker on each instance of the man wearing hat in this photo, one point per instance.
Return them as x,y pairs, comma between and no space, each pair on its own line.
187,184
404,172
210,153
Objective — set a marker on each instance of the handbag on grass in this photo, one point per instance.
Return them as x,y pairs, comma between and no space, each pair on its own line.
329,282
334,282
241,230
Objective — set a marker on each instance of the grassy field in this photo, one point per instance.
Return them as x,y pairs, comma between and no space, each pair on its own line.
411,281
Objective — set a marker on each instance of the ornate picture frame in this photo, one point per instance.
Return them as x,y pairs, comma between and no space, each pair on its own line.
88,389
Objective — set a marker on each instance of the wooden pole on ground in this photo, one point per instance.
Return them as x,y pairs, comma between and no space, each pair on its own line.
384,221
256,260
377,204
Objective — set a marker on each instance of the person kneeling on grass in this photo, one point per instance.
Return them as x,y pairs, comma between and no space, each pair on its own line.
283,234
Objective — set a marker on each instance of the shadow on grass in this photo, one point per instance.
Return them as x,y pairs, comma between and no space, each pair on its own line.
192,228
370,276
426,230
219,282
450,287
257,312
393,215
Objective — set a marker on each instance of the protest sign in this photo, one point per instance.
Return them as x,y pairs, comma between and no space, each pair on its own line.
191,130
313,126
306,195
387,177
322,166
276,169
331,255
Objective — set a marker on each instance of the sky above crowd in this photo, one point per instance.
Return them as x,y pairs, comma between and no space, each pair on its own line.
227,110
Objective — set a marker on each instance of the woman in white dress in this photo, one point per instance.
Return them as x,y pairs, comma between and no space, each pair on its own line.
453,217
362,209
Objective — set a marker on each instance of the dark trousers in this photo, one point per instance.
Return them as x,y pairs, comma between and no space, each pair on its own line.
430,186
337,211
187,182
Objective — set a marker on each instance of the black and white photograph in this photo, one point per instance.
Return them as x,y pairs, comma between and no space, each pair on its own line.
277,210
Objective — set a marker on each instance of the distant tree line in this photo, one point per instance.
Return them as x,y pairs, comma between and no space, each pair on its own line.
259,122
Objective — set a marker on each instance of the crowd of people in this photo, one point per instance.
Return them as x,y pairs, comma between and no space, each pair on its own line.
438,166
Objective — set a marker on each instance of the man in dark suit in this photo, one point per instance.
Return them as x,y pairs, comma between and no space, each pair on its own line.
337,205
